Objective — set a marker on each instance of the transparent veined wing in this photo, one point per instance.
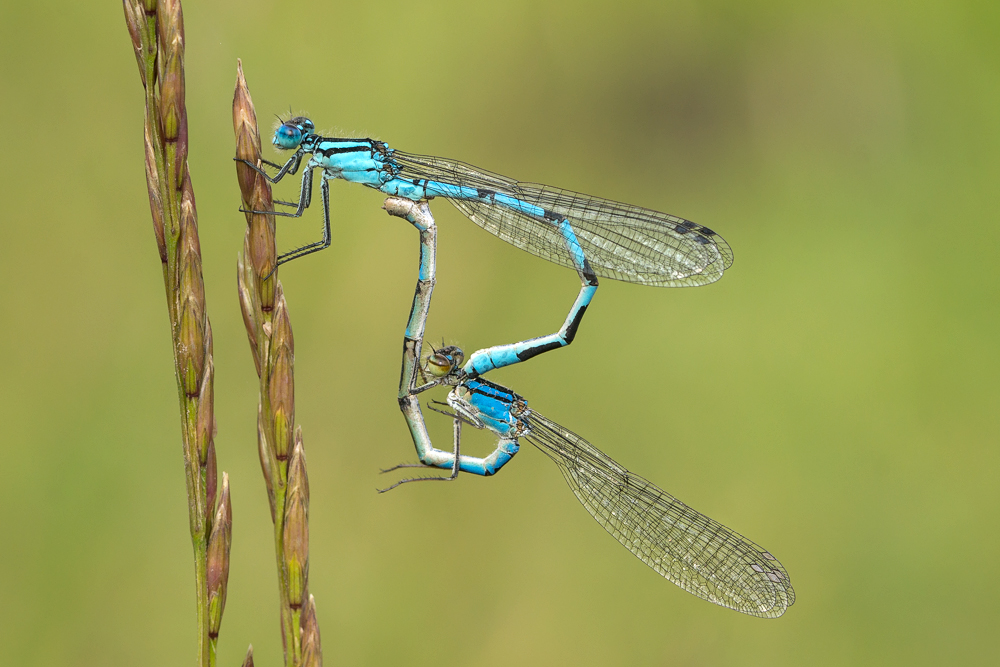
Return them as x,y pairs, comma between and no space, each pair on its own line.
621,241
695,552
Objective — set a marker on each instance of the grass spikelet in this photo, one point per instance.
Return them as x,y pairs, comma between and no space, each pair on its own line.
312,655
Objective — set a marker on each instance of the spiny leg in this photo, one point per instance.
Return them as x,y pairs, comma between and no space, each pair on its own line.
279,167
305,197
305,200
289,167
323,243
431,457
456,458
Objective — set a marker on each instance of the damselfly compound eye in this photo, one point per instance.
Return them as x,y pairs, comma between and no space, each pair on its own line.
444,361
287,136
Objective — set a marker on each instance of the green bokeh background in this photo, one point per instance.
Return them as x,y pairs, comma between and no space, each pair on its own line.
834,397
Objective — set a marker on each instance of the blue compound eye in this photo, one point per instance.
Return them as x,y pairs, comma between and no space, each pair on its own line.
287,136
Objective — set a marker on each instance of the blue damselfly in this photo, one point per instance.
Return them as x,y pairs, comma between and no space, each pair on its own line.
596,237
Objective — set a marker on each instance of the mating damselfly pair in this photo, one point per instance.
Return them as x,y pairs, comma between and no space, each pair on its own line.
596,237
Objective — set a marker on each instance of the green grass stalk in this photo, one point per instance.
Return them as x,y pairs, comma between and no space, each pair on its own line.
279,443
156,28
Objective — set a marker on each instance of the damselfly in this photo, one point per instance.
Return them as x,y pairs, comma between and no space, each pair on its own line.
596,237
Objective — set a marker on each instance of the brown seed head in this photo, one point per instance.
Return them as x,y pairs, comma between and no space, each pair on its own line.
211,483
189,214
281,386
268,463
254,189
219,545
173,117
312,653
134,19
205,421
298,479
247,138
144,20
281,333
192,285
172,95
153,187
296,533
249,306
263,257
190,347
282,404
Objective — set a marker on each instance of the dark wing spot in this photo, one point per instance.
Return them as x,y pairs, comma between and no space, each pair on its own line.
681,229
701,239
706,230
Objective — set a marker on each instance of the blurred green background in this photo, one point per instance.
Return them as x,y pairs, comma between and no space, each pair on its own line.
834,397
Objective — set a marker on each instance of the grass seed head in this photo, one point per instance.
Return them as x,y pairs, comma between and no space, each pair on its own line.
312,654
219,545
296,533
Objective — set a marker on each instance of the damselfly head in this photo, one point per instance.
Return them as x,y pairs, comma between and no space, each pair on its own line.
443,361
290,133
